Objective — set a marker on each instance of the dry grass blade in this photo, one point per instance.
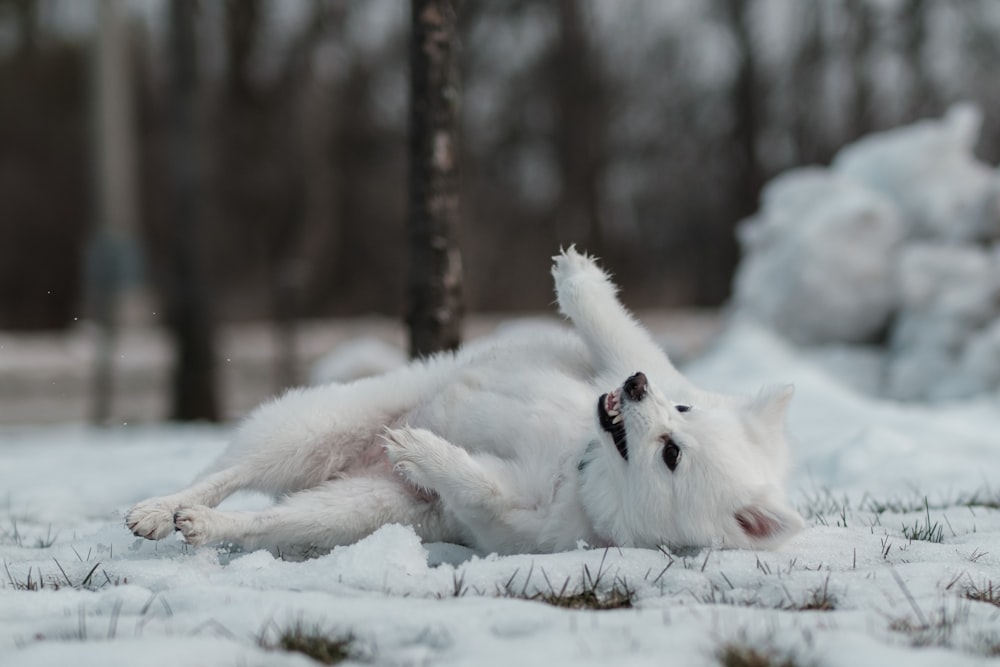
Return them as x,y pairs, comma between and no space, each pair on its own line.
735,654
819,599
984,593
324,647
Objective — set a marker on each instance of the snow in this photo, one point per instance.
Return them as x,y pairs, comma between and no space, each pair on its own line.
895,246
820,238
66,489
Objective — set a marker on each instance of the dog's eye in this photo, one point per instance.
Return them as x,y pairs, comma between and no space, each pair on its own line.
671,452
682,408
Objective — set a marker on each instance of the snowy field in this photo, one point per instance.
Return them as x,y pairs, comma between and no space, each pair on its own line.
899,565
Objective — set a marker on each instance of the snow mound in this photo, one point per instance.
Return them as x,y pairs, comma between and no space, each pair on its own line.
929,171
897,246
820,238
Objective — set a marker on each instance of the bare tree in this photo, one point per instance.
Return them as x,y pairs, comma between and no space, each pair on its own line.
194,378
435,276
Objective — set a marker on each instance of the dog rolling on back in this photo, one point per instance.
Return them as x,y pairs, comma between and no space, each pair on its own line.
534,441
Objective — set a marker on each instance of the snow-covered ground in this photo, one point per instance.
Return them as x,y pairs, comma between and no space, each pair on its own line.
858,587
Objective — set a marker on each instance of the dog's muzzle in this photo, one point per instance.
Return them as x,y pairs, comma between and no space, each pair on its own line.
635,387
609,409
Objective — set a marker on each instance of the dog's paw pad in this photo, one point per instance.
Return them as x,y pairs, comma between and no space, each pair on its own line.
151,519
398,445
405,450
194,524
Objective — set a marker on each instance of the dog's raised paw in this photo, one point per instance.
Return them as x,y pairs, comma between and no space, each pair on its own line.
411,451
398,445
571,270
152,519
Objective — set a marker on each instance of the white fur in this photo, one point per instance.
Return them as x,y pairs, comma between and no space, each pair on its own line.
499,447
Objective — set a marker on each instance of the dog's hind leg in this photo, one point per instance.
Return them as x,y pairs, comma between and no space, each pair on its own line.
154,518
297,442
586,295
335,513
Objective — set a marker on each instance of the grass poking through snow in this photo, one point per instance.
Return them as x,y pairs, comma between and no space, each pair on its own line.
13,535
745,654
926,531
325,647
983,593
590,592
818,599
35,580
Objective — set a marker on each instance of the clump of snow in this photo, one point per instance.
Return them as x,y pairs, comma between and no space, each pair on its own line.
895,245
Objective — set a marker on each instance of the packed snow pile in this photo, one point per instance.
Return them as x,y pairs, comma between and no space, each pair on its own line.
896,245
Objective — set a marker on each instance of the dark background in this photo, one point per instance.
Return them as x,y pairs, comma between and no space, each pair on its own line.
641,130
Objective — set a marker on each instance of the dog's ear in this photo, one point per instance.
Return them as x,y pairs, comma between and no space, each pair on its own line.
770,405
765,524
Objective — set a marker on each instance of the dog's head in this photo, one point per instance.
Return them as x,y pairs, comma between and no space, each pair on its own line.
705,473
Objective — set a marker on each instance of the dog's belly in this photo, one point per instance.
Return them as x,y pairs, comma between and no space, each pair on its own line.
512,413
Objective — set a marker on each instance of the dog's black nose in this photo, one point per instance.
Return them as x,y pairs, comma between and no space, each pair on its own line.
635,386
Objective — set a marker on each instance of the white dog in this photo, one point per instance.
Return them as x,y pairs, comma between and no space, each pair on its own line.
532,442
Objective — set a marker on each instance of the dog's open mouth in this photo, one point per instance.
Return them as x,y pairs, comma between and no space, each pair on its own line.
610,417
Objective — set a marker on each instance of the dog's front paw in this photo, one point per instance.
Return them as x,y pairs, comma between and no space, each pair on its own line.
195,524
576,275
416,454
152,519
571,262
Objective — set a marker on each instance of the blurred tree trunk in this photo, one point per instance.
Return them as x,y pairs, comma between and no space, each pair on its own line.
309,259
26,16
242,19
721,252
194,395
981,78
247,114
435,275
923,95
112,256
807,94
859,18
581,111
744,105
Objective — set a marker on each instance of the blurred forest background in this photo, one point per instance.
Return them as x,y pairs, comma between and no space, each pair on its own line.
642,130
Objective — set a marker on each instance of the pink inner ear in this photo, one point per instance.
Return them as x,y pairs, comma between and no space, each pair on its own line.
756,523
